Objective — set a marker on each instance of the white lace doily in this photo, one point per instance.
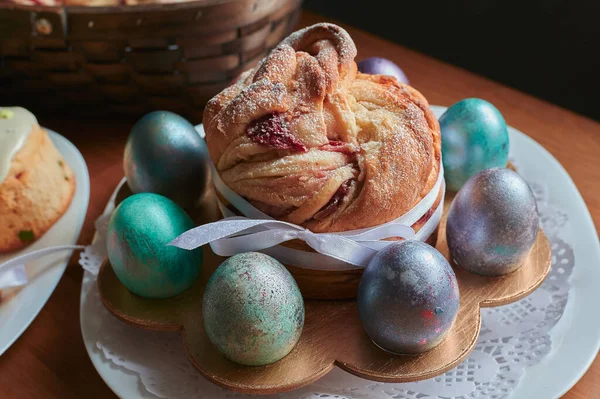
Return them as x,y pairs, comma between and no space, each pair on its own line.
513,338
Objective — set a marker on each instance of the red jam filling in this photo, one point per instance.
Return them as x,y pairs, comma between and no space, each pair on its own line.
334,202
274,131
337,146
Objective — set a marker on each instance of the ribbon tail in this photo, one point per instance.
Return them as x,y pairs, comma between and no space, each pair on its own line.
198,236
251,242
29,256
14,277
341,248
12,272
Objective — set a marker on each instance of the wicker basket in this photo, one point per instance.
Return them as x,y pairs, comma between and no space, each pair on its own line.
134,59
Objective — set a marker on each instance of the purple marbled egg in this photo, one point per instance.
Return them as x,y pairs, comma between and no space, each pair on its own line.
382,66
492,223
253,310
408,298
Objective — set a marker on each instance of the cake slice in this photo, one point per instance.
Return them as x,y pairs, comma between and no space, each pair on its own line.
36,183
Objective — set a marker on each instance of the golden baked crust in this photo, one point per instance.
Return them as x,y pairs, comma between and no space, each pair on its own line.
308,139
36,193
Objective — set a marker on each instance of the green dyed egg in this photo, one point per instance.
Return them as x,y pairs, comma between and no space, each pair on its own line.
474,138
138,233
253,310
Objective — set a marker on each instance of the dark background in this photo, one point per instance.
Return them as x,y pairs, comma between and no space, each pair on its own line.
548,48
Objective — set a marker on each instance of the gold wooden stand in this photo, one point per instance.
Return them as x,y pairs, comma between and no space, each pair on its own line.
332,332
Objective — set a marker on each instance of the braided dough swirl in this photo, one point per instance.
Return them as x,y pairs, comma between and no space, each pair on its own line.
309,140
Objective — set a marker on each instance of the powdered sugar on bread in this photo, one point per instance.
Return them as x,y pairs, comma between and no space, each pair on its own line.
274,133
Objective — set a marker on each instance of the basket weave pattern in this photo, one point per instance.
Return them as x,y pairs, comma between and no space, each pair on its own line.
134,59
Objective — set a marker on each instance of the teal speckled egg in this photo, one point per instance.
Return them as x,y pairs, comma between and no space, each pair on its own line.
253,310
138,232
165,155
474,138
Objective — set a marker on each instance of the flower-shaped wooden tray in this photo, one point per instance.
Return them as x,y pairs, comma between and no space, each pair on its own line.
332,332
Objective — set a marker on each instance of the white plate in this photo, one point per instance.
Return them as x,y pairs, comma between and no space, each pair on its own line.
17,312
575,339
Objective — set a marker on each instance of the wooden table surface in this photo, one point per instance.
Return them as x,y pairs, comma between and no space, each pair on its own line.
49,360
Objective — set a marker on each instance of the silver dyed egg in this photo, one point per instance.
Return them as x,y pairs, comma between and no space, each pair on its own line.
408,298
492,223
165,155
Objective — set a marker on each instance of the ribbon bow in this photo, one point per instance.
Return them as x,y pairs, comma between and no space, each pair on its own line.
234,235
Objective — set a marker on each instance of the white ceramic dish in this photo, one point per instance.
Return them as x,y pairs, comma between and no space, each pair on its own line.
18,311
575,339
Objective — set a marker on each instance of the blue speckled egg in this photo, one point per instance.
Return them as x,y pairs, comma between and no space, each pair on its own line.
408,298
253,310
474,138
165,155
492,223
138,232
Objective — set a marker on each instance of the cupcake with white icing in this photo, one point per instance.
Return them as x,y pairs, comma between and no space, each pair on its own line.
36,183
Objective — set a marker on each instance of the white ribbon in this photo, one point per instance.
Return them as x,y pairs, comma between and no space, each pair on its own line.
15,277
314,260
225,240
258,231
12,272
